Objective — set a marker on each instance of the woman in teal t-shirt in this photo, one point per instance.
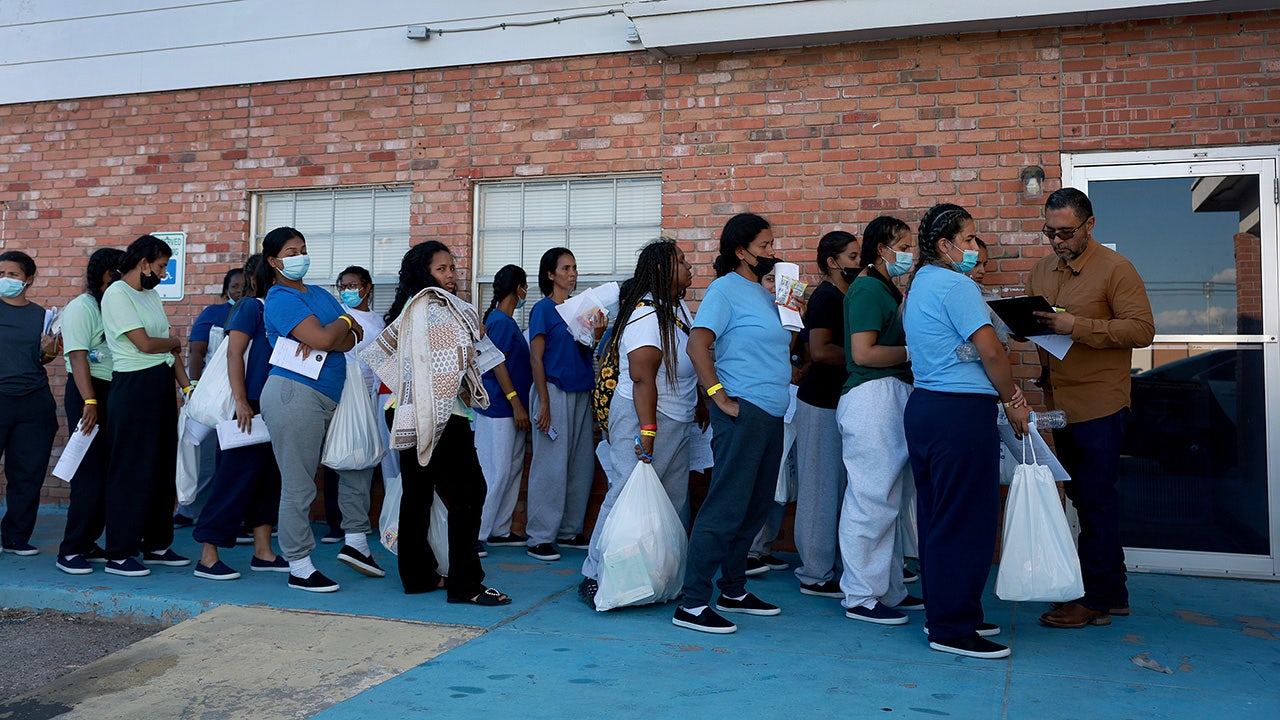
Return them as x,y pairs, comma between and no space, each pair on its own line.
142,415
86,397
870,418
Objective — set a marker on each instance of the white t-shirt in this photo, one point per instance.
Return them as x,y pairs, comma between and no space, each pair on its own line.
675,402
373,326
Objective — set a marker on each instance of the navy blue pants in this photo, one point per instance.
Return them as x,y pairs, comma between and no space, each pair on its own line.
27,426
86,513
748,454
955,456
245,489
142,424
1090,452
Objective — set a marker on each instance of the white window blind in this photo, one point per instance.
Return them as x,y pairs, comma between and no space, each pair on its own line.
368,227
604,221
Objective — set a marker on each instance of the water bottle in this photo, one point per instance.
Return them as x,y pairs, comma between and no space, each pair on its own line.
967,352
95,355
1049,419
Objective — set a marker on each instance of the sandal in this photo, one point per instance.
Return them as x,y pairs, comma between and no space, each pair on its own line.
486,598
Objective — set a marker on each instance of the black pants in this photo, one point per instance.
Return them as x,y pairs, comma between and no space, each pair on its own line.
143,427
1090,452
86,515
454,473
27,426
245,489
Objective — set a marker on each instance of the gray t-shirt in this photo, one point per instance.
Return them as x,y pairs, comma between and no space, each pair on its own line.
20,369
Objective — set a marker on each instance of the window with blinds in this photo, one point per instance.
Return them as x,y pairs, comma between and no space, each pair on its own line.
604,221
368,227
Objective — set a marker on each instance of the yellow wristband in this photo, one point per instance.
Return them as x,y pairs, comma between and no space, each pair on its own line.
91,401
187,390
711,391
349,325
512,394
649,433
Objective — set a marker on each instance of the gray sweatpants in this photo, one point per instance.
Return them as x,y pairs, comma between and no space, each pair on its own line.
821,479
500,449
875,457
561,471
297,417
670,462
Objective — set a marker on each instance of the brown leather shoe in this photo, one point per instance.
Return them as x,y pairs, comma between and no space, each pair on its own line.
1074,615
1119,611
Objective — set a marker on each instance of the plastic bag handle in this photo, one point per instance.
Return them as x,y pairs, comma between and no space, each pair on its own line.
1026,439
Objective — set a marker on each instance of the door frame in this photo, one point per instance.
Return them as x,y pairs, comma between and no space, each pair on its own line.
1078,169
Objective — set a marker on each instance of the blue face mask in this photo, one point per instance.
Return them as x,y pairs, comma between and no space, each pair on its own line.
11,287
901,264
968,259
231,302
351,298
295,268
520,303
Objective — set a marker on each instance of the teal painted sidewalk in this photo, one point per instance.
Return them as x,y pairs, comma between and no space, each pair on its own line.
549,656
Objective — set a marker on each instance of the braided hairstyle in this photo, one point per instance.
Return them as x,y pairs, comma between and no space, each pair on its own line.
415,275
507,281
884,230
102,261
655,276
942,221
738,232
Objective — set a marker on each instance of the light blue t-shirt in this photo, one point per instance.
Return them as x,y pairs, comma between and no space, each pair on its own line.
943,310
285,309
753,350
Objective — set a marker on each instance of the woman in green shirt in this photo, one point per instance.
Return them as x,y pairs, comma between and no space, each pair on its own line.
142,418
872,439
84,344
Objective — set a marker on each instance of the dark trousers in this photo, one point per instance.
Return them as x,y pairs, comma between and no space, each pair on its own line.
86,514
27,426
332,511
245,489
954,448
454,473
1090,452
748,454
143,427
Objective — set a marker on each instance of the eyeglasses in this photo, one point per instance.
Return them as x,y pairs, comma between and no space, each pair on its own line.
1064,233
357,285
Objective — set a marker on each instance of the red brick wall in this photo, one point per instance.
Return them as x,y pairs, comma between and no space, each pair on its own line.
810,138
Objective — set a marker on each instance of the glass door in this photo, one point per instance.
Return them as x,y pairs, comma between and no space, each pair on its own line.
1199,487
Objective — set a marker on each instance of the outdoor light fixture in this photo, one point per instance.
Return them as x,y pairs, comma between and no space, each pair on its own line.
1032,182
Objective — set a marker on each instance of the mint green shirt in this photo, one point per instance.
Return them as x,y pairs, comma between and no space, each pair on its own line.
125,309
82,330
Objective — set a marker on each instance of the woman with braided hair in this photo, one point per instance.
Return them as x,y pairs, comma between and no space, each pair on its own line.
84,344
656,399
950,424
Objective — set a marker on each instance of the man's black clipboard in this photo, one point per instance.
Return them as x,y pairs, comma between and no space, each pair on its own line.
1016,312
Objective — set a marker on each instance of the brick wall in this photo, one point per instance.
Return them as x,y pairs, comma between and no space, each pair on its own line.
813,139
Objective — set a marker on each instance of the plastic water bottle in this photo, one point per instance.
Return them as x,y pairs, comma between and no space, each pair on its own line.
967,352
95,355
1049,419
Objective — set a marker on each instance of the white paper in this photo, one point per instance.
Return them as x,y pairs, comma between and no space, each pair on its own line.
77,445
790,414
488,355
52,321
1055,345
578,311
230,435
285,355
786,281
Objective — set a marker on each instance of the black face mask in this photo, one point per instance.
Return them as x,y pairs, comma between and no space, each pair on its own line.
149,282
763,265
849,274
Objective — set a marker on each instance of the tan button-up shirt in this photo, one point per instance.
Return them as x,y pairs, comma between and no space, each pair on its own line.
1113,315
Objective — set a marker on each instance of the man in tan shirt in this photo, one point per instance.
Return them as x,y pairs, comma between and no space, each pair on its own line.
1107,314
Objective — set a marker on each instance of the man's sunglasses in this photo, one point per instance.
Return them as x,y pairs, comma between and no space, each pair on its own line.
1064,233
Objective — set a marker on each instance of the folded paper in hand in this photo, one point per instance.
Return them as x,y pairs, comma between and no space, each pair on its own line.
77,445
488,356
789,291
285,355
230,435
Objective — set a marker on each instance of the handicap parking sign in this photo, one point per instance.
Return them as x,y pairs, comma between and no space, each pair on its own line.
174,286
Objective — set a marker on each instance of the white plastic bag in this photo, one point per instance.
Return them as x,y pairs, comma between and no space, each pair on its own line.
438,534
354,442
186,471
642,545
212,402
1038,560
